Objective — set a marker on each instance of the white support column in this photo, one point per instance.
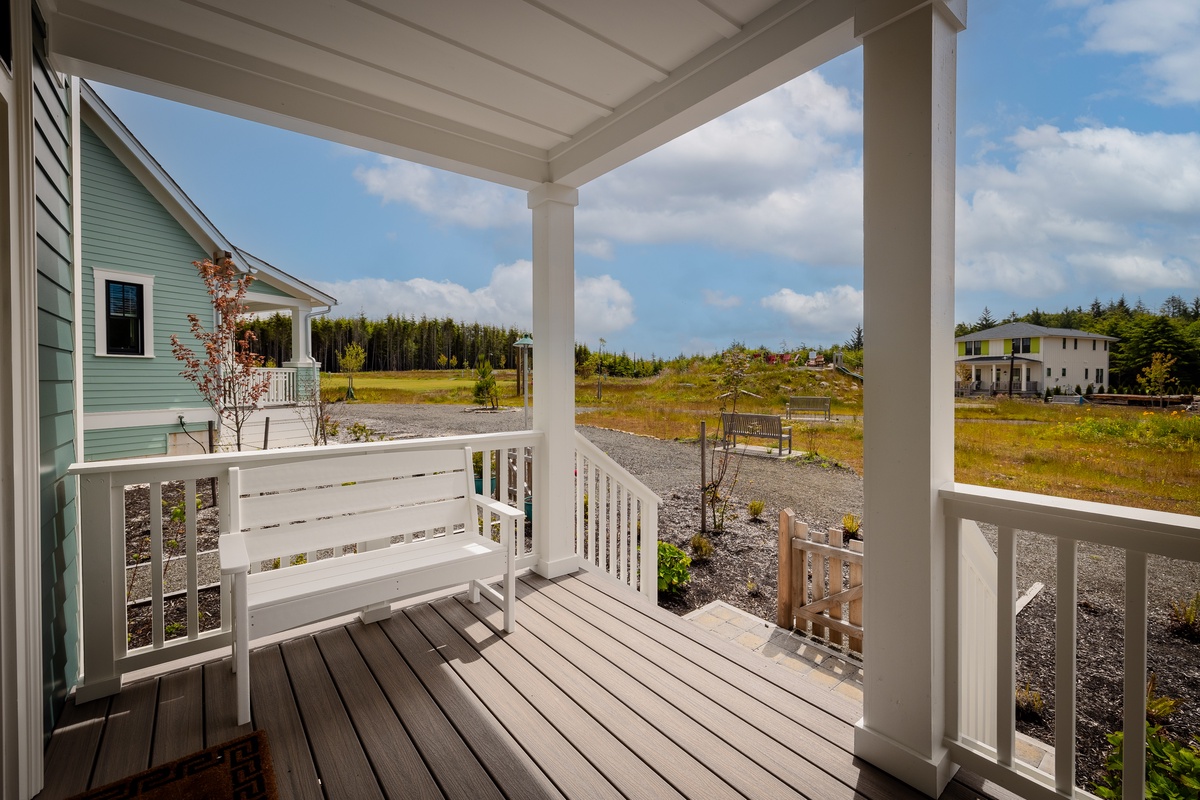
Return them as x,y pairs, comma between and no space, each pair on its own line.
908,186
302,360
21,679
553,209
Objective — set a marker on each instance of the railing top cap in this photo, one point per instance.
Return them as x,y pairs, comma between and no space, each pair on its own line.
217,461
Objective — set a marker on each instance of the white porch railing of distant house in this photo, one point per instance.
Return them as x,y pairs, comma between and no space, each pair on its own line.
107,574
980,622
616,521
281,390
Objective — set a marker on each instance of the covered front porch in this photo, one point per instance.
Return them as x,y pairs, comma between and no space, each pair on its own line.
597,694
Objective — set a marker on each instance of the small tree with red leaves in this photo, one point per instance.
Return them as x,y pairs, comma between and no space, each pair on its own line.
224,367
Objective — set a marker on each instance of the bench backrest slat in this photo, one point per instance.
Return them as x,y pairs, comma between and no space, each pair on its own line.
365,467
333,502
268,543
347,497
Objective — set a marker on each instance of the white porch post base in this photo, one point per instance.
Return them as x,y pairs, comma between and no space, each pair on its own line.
94,690
556,569
925,774
553,209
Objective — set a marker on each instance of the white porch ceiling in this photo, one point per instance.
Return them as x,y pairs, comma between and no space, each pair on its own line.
521,92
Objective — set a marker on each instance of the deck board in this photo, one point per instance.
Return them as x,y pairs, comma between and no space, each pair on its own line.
596,694
397,764
219,690
273,709
128,733
179,726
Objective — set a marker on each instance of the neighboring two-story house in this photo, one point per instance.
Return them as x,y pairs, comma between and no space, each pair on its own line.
139,235
1034,358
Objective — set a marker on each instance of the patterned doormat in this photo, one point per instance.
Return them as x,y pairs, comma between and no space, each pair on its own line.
239,769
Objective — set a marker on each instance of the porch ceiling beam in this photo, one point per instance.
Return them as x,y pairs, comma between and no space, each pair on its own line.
787,40
123,51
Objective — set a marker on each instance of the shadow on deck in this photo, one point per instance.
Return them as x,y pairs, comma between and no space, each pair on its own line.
597,694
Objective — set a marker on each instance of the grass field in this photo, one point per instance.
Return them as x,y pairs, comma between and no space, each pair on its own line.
1122,456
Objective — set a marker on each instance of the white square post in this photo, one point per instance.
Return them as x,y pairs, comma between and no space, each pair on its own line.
553,209
909,64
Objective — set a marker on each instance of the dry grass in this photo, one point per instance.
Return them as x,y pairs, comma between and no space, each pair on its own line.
1111,455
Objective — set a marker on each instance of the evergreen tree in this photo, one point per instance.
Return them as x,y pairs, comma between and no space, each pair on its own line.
855,342
985,320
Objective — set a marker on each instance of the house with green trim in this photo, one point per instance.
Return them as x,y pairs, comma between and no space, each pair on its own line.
139,234
1034,358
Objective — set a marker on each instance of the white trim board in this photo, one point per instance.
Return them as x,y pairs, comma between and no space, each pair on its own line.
112,420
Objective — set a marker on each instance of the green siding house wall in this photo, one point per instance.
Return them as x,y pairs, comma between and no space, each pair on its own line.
56,394
126,230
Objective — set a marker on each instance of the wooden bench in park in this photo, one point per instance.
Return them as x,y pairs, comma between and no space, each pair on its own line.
355,533
767,426
809,408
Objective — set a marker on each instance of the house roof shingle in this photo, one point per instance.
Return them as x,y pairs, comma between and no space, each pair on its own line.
1021,330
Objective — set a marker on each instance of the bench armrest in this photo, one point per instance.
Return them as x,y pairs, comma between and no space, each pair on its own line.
234,558
503,509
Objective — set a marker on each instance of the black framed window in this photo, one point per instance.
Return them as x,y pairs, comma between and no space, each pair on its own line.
973,348
1022,345
125,318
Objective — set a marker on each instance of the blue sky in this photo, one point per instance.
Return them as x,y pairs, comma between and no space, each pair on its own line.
1078,177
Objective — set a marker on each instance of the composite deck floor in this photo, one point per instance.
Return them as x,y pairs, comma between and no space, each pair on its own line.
595,695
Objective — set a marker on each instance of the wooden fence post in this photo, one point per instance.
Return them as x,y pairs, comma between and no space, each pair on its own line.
783,605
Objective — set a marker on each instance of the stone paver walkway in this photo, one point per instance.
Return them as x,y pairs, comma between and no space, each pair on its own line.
819,664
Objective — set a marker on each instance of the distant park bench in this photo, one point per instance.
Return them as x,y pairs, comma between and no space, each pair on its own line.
767,426
809,407
1067,399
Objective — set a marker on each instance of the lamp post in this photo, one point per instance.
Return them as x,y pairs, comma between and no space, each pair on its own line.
525,346
1012,363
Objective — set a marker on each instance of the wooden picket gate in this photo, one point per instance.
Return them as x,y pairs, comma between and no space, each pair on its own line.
816,591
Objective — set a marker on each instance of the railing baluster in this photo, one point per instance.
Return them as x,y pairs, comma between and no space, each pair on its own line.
954,594
1134,772
193,560
1064,666
610,528
595,481
156,565
580,508
1006,645
618,533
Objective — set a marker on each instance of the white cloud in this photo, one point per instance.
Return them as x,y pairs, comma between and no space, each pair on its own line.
1100,210
443,195
718,299
1164,33
781,174
834,312
602,304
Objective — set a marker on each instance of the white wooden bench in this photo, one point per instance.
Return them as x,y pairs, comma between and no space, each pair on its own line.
372,528
767,426
814,407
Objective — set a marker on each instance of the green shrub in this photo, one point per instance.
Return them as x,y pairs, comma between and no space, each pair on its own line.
1030,705
1172,768
1185,618
755,507
702,548
673,563
1159,706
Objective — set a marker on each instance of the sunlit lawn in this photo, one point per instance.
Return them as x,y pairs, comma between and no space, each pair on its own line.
1112,455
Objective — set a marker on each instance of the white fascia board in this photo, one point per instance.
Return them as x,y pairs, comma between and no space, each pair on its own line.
787,40
137,159
123,51
111,420
276,277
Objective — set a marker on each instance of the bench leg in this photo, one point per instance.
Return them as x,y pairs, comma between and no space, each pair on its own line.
241,648
510,600
375,613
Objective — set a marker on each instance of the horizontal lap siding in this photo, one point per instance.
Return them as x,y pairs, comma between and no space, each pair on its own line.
56,396
150,440
126,229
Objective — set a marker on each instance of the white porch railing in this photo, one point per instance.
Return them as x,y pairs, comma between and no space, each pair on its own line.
981,730
616,521
282,388
107,576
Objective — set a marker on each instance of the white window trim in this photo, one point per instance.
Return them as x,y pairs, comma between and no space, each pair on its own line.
99,276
